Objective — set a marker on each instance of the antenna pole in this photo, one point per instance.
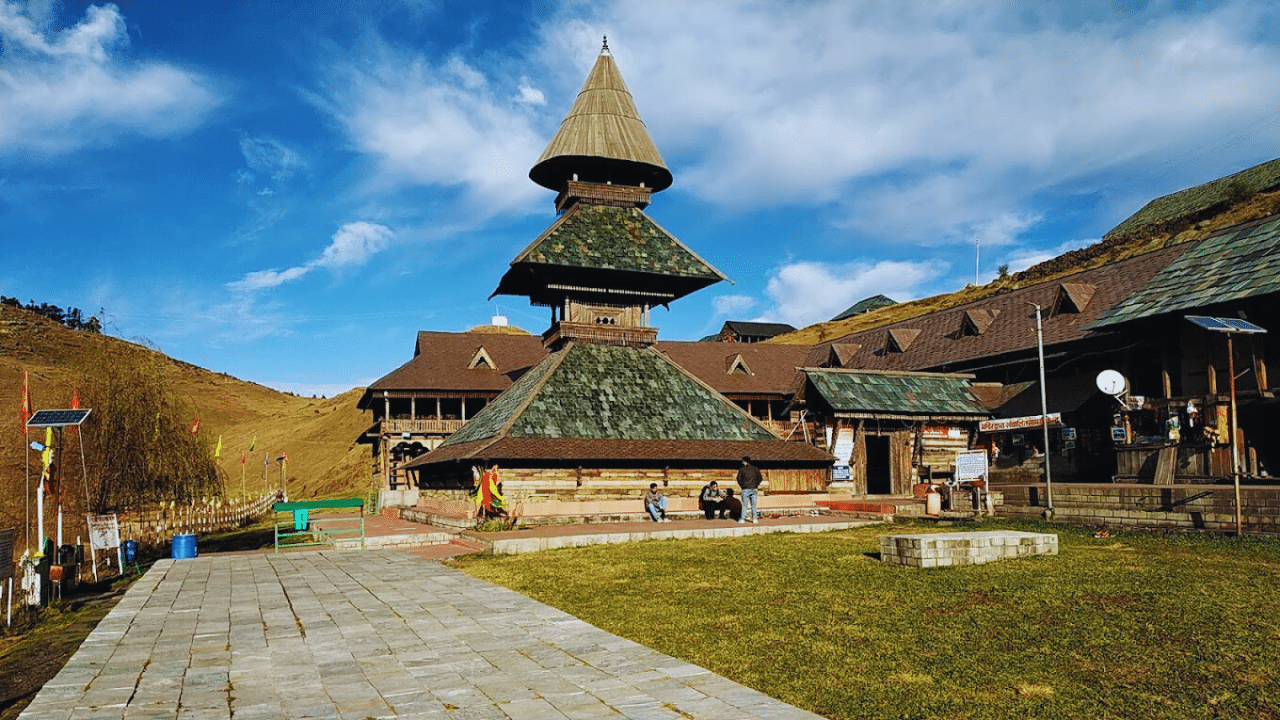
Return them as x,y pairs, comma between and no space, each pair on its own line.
977,251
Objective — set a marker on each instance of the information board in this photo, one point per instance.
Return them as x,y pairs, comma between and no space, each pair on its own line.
971,465
6,553
104,532
840,473
843,449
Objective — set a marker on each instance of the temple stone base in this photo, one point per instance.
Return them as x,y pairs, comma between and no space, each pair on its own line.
963,548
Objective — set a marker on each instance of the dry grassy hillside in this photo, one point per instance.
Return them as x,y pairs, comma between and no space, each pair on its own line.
317,434
1136,241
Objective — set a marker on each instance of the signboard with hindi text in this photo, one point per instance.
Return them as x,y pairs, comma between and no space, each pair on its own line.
1019,423
104,532
843,449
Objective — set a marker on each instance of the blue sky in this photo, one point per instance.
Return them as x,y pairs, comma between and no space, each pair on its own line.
287,192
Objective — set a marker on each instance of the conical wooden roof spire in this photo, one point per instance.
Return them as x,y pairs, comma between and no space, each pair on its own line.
602,139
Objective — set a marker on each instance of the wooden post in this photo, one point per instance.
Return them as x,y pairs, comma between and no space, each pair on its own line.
1235,440
1213,379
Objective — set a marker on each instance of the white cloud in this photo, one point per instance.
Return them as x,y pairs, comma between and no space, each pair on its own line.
264,154
959,112
354,244
439,123
530,95
351,246
731,305
62,90
807,292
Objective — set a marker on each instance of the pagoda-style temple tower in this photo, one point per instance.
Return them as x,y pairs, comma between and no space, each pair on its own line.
606,413
604,263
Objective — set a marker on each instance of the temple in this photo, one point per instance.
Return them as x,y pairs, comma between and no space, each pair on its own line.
605,413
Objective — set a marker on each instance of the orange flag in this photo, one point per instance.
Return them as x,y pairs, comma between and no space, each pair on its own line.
26,402
75,405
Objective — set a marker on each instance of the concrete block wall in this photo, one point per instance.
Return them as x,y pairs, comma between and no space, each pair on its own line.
1198,507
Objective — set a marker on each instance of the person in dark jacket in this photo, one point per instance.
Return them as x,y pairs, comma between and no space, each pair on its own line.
749,480
713,500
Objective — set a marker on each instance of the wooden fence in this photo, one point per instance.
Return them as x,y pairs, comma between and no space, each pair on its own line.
157,526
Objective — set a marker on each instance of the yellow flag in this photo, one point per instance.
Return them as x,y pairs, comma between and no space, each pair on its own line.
47,454
217,452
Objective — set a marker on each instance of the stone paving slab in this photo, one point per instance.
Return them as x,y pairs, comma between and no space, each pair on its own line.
331,635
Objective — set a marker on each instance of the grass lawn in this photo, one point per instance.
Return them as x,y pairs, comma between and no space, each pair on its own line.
1133,626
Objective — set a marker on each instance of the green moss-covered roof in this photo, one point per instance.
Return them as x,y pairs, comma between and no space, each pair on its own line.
1258,178
1221,268
866,305
589,391
895,393
614,238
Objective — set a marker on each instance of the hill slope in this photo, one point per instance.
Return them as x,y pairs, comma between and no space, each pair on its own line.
317,434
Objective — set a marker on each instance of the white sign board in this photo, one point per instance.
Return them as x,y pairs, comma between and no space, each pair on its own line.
971,465
844,445
104,532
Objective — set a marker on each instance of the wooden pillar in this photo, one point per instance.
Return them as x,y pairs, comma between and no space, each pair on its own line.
413,407
1213,379
439,416
1165,381
386,407
464,408
1260,370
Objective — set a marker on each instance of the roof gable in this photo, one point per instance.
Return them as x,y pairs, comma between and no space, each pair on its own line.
976,320
900,339
1073,297
482,361
736,364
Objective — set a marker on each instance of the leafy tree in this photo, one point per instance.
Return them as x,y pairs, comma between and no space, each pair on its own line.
138,440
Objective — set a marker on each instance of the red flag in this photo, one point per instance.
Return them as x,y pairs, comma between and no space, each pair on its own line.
195,426
243,458
75,405
26,402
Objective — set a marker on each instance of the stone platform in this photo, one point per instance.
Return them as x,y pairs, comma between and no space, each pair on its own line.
963,548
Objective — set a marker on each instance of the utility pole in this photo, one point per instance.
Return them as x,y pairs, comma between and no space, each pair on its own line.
1044,416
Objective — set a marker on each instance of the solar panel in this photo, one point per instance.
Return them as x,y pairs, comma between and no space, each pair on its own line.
58,418
1242,325
1231,325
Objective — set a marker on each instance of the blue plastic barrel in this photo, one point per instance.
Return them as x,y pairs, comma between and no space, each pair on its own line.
131,551
184,547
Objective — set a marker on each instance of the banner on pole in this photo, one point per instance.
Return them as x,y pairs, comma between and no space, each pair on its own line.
6,553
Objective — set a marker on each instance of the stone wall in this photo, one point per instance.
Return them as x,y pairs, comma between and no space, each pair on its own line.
1199,507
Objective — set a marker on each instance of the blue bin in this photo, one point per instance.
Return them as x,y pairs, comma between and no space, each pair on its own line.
131,551
184,547
301,519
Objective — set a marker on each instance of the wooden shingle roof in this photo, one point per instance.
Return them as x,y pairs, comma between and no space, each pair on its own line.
1240,263
929,394
602,138
590,396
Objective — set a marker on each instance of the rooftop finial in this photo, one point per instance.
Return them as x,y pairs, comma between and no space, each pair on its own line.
605,49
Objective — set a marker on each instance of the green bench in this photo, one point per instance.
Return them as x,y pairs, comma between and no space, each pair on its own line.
297,532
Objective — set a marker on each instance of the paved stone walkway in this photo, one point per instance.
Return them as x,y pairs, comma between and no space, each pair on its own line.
355,635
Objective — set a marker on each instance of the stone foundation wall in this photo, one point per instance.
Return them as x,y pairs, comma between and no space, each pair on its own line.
1200,507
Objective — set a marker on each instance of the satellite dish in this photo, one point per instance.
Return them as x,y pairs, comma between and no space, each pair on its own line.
1112,382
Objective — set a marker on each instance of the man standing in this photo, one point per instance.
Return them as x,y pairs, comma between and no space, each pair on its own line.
749,480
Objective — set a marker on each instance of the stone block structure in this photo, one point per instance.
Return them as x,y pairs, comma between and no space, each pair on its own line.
963,548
